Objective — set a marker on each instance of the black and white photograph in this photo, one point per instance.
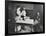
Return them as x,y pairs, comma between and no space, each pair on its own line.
24,17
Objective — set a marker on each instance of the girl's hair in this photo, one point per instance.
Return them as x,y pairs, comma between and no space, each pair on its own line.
18,6
21,9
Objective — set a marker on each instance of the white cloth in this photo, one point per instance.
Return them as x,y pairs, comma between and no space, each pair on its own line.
18,11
